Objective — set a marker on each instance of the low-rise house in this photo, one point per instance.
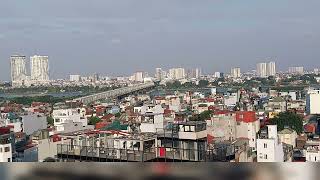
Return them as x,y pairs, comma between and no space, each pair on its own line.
312,150
276,104
222,125
62,116
6,144
46,145
270,149
185,141
248,125
26,122
288,136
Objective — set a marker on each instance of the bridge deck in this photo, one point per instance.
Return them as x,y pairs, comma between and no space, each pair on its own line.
114,93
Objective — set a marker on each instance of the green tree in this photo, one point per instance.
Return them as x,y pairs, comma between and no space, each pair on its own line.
202,116
288,119
117,115
94,120
50,120
173,85
203,83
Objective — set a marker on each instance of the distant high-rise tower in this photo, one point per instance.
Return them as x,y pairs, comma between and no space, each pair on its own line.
39,68
159,74
235,72
197,73
296,70
177,73
138,76
194,73
271,69
217,74
262,70
18,69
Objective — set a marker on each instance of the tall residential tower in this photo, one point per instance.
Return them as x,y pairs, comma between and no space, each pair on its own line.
39,68
262,70
235,72
266,69
18,69
271,69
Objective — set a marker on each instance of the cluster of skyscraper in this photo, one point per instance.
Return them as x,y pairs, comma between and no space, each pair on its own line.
263,70
296,70
235,72
39,68
266,69
177,73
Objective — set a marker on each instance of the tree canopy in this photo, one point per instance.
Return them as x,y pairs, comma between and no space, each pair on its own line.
50,121
94,120
202,116
288,119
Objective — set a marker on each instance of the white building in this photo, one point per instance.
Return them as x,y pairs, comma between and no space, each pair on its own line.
217,74
262,70
63,116
70,120
197,73
222,126
75,78
271,69
296,70
18,70
312,154
39,68
194,73
248,126
160,74
177,73
270,149
313,102
235,72
5,152
288,136
138,76
231,100
152,118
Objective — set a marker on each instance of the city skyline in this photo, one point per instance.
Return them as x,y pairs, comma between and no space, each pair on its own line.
117,38
153,72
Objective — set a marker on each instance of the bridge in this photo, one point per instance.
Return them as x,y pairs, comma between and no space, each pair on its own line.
114,93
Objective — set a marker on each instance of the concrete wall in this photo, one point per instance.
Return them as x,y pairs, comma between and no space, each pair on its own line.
33,122
46,148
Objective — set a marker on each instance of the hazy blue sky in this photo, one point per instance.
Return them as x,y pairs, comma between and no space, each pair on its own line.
115,37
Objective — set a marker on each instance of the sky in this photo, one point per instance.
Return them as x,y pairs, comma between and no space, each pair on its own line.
119,37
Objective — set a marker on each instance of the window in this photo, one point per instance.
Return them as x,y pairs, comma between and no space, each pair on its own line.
9,160
241,116
57,120
265,145
315,158
6,149
0,150
265,156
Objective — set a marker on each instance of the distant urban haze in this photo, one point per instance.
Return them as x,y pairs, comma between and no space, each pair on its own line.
115,37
